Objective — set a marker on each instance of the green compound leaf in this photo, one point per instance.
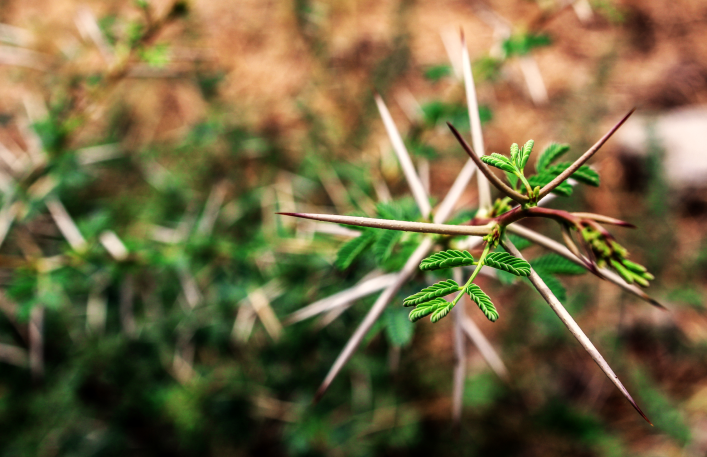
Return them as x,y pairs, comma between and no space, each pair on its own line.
404,209
384,245
550,154
426,308
434,291
349,251
514,152
446,259
483,301
398,328
522,158
587,176
506,262
556,264
442,310
564,189
499,161
584,174
635,267
553,284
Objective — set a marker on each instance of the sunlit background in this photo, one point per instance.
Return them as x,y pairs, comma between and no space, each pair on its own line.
147,288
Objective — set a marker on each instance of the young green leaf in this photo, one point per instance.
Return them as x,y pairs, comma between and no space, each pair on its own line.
398,327
514,152
634,266
524,155
424,309
446,259
349,251
483,301
550,154
506,262
499,161
556,264
624,272
584,174
434,291
385,243
441,311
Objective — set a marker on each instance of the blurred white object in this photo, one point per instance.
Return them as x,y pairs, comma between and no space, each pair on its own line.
681,133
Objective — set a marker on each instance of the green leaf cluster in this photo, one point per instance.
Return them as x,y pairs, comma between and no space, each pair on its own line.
610,253
430,301
546,171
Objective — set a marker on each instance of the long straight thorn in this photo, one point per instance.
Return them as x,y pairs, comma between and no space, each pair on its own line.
573,327
586,156
500,185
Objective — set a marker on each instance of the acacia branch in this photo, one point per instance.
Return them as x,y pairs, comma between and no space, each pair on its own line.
586,156
572,326
420,227
500,185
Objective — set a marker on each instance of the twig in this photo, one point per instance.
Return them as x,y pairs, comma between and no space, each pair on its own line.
243,325
36,342
261,305
572,326
97,305
586,156
127,297
418,190
8,212
65,223
88,27
533,79
477,137
455,192
13,355
420,227
192,294
360,290
487,351
500,185
113,245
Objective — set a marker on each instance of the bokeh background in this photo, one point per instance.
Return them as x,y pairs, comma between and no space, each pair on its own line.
147,283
